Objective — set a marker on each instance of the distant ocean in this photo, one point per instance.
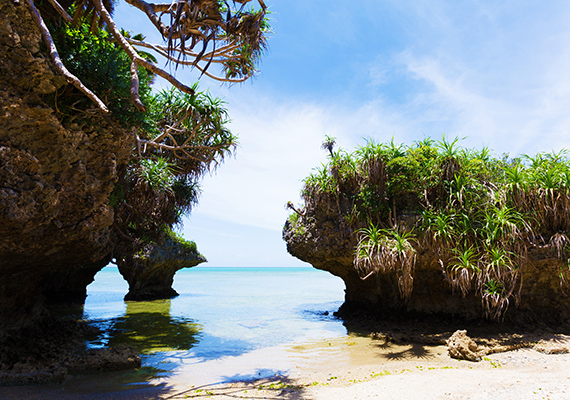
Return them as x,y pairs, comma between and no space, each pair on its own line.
227,323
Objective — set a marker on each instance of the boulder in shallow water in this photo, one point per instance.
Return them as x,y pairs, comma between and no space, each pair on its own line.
150,272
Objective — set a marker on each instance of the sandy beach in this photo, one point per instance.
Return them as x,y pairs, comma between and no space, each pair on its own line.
364,369
359,367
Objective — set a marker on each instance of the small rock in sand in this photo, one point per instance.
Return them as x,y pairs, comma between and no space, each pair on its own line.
462,347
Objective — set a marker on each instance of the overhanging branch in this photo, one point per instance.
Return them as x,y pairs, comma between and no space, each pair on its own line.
57,60
195,31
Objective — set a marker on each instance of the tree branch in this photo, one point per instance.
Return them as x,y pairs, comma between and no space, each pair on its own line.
57,60
292,207
151,13
131,52
163,51
135,88
61,11
217,78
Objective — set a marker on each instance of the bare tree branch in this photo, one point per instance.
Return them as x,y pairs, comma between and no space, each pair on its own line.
219,56
131,52
57,60
61,11
217,78
163,52
150,11
192,23
135,88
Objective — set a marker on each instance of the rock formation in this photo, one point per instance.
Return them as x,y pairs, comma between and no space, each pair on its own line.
55,178
462,347
436,229
50,349
321,237
150,272
57,174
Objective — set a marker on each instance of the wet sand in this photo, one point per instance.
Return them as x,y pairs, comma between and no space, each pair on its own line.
352,367
360,368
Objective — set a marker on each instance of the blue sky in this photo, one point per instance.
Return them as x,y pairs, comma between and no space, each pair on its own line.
496,72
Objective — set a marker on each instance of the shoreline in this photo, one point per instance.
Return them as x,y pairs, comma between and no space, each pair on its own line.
354,367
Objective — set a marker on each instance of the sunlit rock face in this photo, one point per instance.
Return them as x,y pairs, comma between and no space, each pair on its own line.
151,271
321,237
55,178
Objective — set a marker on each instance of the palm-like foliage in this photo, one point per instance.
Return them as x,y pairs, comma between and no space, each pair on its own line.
149,198
198,33
464,267
328,145
478,214
386,250
189,138
191,131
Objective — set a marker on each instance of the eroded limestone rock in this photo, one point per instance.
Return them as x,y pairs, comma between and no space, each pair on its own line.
151,271
55,178
322,238
46,351
462,347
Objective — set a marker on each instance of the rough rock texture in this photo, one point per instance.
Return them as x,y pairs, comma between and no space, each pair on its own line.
150,272
48,350
55,180
88,361
327,245
323,239
462,347
110,359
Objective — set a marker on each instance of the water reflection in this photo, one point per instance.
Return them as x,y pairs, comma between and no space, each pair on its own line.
73,312
149,327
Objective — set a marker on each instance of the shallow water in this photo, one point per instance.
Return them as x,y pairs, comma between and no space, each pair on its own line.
227,323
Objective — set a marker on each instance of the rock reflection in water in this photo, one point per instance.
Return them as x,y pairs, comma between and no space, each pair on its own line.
149,327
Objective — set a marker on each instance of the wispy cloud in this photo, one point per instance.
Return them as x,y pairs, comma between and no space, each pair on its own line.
501,80
280,144
496,71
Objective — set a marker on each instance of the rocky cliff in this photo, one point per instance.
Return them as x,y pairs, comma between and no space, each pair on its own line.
435,229
55,178
321,238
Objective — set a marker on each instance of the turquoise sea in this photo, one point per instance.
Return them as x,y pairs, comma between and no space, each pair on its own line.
226,324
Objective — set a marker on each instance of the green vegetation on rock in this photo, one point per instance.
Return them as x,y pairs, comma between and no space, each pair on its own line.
177,134
99,63
479,214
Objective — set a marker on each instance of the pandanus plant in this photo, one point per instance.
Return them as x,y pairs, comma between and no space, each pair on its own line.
387,250
478,214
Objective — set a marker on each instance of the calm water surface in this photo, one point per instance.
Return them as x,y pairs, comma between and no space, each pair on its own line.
227,323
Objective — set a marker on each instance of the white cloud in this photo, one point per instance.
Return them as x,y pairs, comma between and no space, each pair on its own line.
495,71
506,121
499,77
280,144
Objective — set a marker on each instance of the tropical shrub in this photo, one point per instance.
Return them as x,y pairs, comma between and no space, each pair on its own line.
100,63
178,138
188,137
478,214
